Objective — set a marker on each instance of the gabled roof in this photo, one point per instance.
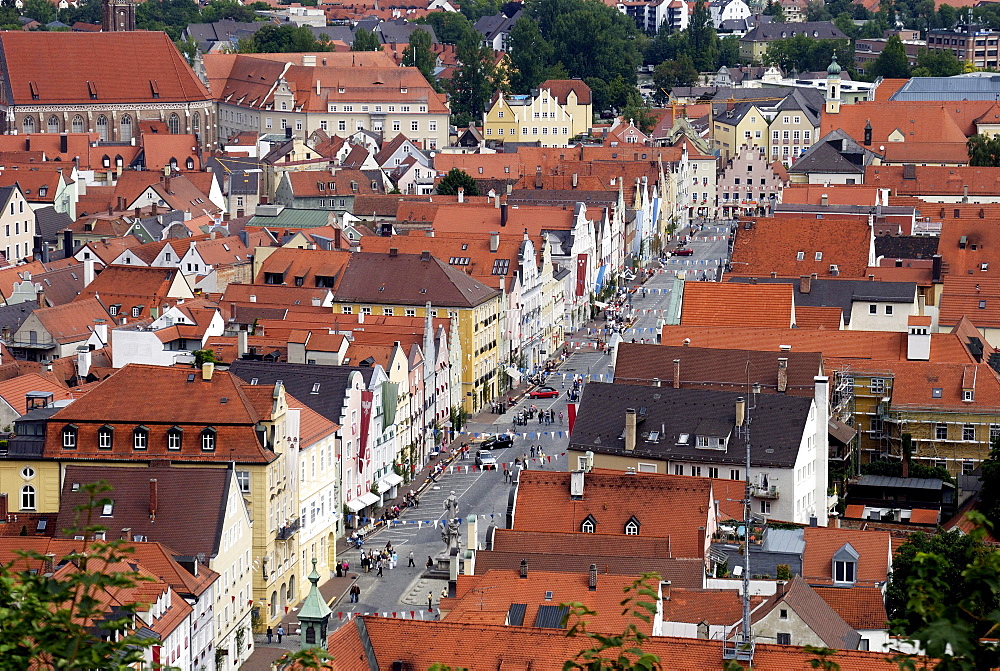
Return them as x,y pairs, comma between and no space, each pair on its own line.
822,543
815,613
561,88
769,245
861,607
342,183
307,264
132,286
935,180
73,321
730,304
49,68
720,607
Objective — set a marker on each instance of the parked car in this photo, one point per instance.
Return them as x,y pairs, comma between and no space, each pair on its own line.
485,459
543,392
683,251
499,442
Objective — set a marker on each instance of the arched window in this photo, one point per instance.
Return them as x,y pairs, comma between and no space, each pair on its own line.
175,434
195,123
208,439
28,124
69,435
27,497
189,163
126,128
77,124
105,437
274,603
173,163
174,124
140,438
53,125
102,128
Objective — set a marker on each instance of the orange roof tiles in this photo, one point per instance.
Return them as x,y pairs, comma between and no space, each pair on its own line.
73,321
924,516
792,247
916,122
14,390
861,607
888,87
932,180
873,548
817,317
836,194
715,606
926,384
735,304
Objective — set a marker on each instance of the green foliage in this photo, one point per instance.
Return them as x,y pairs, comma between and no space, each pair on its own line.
807,54
188,49
203,356
622,651
530,56
87,11
989,495
455,178
784,572
945,595
47,621
419,55
273,39
822,660
641,115
984,151
894,469
845,23
729,52
892,63
774,9
450,27
310,658
170,16
679,72
365,40
42,11
218,10
937,64
473,82
474,10
702,37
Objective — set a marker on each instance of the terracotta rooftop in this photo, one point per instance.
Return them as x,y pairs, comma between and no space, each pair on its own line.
72,322
930,180
716,606
873,548
816,317
795,247
731,304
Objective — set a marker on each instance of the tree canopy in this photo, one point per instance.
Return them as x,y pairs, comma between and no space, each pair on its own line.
473,83
418,54
892,63
984,151
450,27
272,39
530,56
937,64
450,183
365,40
989,495
807,54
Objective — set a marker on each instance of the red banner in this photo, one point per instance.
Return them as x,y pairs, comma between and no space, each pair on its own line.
367,397
581,275
571,416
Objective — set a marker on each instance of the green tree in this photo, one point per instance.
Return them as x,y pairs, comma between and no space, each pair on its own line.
729,52
365,40
472,84
641,115
455,178
989,495
449,27
984,151
775,10
892,63
203,356
845,23
702,37
48,618
170,16
530,56
680,72
273,39
477,9
42,11
816,10
218,10
937,64
418,54
945,595
87,11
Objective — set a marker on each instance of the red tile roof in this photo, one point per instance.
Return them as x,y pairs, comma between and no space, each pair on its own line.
930,180
736,304
816,317
560,89
873,548
61,68
775,245
929,122
72,322
14,391
861,607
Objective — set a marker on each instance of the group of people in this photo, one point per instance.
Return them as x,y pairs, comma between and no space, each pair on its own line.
549,416
377,561
410,500
500,407
342,568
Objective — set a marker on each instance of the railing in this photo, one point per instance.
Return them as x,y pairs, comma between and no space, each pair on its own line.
287,531
764,492
738,647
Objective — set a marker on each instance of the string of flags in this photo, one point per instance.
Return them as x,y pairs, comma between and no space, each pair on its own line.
346,616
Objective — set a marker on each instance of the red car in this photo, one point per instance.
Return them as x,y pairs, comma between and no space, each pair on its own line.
543,392
683,251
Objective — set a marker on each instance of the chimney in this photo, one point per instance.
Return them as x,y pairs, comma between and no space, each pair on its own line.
461,194
207,370
524,569
50,564
907,448
575,180
936,265
576,480
336,237
88,271
152,499
630,429
592,580
656,382
166,184
677,373
782,374
496,196
82,362
241,344
813,521
425,255
741,410
665,589
781,584
824,200
101,329
41,296
918,339
67,243
805,284
503,214
495,240
154,210
393,252
127,534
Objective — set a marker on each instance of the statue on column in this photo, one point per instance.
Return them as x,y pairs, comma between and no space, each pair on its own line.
451,529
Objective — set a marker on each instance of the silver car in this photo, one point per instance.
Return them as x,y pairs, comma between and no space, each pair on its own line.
485,459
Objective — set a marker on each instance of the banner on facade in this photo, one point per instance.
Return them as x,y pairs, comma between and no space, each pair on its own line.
581,275
367,398
571,416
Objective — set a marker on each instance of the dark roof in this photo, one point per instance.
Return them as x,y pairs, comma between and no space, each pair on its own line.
48,223
398,31
836,152
490,26
335,33
822,30
207,34
62,285
299,380
560,197
409,280
720,369
842,293
12,316
188,525
906,246
241,171
778,423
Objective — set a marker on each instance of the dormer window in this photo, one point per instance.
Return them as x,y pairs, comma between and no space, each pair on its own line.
208,439
845,565
632,526
69,436
589,525
105,437
140,438
175,434
968,395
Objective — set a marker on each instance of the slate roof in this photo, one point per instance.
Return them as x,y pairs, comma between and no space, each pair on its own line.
189,525
906,246
12,316
720,369
822,30
778,424
835,153
491,26
841,293
49,223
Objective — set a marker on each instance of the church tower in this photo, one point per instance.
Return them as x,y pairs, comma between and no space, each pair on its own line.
117,15
833,87
314,616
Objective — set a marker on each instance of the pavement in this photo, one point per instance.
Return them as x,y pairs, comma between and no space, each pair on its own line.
404,591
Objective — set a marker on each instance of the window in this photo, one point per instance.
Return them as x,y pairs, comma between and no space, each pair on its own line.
414,126
411,312
994,433
27,497
968,432
105,437
696,471
243,480
347,310
102,128
734,474
29,124
877,386
783,614
108,509
784,639
941,432
588,525
388,312
174,124
968,395
713,472
819,256
765,507
873,309
800,256
125,132
140,438
366,310
77,124
174,436
968,467
69,436
208,439
27,472
53,124
888,309
845,571
632,527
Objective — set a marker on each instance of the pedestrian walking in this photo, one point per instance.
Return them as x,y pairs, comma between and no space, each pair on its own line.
430,600
430,562
280,632
270,634
411,559
355,593
340,571
379,565
395,558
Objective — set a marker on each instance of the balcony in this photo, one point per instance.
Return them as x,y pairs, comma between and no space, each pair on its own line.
285,532
759,492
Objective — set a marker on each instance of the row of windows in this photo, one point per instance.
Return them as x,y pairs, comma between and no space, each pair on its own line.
54,125
534,131
140,437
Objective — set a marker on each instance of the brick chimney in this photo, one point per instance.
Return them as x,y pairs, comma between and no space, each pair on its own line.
805,284
677,373
630,422
592,579
152,499
524,569
782,374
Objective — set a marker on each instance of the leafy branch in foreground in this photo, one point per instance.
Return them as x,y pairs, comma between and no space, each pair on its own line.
622,651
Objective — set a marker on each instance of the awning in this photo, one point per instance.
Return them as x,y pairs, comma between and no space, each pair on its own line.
368,498
514,373
390,480
355,505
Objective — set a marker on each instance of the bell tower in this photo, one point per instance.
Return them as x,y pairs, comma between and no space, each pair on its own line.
117,15
833,87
